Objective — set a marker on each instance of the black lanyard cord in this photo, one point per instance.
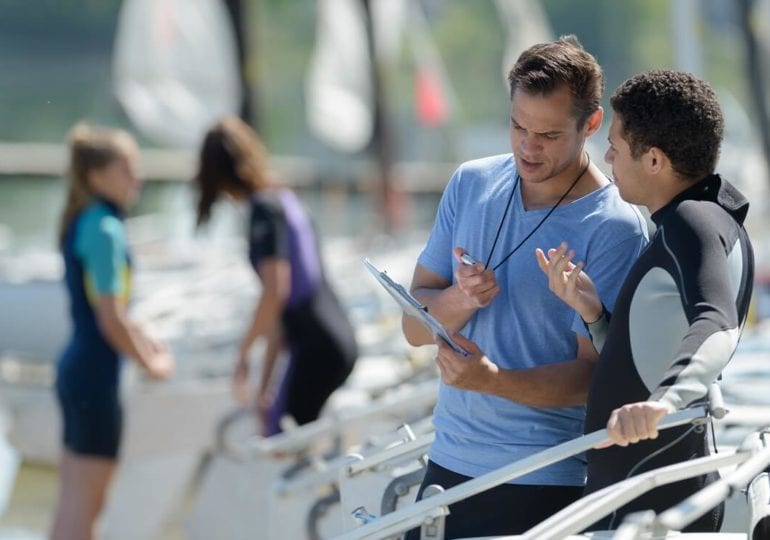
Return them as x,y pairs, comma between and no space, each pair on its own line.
500,226
533,231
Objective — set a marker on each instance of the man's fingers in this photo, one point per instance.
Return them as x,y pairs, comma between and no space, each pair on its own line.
487,295
481,289
637,426
447,367
574,274
653,418
636,422
561,264
471,278
652,428
625,431
615,429
466,344
564,263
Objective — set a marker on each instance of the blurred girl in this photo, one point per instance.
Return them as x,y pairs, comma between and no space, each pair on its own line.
102,183
297,310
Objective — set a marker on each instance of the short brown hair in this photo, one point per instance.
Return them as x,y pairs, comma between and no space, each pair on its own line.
546,67
676,112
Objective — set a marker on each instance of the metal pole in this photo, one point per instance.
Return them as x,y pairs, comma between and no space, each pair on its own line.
754,70
389,200
688,53
243,28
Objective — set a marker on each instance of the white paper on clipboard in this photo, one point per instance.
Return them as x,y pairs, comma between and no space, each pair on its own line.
411,306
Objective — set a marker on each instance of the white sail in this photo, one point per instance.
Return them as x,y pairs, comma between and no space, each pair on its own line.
525,24
339,91
175,68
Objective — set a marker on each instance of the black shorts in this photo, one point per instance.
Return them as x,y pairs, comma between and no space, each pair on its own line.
502,510
92,421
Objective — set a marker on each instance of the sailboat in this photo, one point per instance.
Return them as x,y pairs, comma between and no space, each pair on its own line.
160,49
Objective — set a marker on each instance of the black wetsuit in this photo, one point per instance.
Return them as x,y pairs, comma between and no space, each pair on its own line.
318,335
675,325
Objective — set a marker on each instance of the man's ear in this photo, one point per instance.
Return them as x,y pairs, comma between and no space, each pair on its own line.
593,123
655,160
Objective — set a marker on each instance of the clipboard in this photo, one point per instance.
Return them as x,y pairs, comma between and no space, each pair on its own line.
412,307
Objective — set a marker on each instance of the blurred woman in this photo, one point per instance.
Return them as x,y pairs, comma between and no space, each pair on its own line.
102,184
297,310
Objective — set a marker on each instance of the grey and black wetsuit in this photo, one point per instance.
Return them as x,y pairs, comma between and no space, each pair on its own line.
676,324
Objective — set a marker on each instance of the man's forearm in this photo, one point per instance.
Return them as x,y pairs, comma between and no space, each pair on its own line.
449,306
564,384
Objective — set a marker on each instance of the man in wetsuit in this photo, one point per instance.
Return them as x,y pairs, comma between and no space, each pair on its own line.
679,314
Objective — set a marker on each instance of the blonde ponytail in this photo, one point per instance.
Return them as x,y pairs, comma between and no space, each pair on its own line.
89,149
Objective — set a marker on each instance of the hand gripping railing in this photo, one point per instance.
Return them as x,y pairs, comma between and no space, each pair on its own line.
435,507
595,506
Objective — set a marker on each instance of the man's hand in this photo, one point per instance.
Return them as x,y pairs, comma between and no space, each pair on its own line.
476,283
635,422
568,281
472,372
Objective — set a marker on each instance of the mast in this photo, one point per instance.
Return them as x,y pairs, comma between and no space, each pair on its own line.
756,77
390,201
688,53
242,29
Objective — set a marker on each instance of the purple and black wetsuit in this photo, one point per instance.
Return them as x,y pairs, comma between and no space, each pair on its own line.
317,333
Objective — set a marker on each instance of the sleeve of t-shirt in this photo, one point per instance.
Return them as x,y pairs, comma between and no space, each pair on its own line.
437,254
268,233
608,270
102,248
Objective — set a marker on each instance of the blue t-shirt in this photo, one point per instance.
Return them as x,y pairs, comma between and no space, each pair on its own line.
526,325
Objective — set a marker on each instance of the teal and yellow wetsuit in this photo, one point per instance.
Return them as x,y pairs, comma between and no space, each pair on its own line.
97,262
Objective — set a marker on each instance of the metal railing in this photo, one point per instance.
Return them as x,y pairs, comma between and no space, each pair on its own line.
431,509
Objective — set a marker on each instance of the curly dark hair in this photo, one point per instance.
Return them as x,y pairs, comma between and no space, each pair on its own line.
546,67
676,112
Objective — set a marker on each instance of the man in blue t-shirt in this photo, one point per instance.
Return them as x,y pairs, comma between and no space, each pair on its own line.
526,391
